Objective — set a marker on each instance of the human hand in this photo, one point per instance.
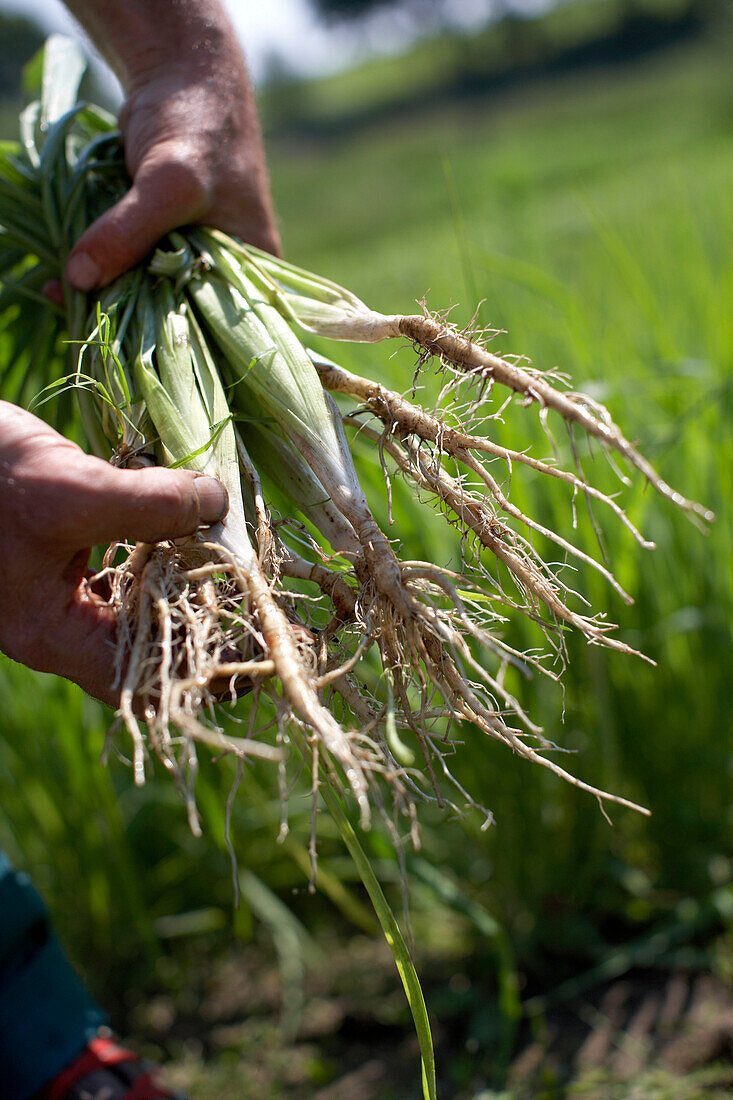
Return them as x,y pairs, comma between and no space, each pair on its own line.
56,503
192,145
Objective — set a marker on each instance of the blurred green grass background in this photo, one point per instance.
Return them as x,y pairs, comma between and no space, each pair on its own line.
592,215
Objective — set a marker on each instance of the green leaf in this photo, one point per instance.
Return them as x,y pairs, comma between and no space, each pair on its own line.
70,382
217,429
64,65
29,117
394,938
32,77
398,748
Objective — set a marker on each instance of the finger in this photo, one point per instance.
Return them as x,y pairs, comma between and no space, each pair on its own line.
83,649
68,499
54,291
165,194
253,225
104,503
65,630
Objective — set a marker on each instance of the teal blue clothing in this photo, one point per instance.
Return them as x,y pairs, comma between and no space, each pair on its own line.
46,1015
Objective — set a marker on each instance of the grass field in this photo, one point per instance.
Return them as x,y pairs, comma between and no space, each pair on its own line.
592,218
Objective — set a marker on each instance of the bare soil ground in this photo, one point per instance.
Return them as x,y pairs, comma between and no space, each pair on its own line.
344,1034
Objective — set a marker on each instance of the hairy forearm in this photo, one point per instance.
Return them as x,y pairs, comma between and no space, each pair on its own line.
142,38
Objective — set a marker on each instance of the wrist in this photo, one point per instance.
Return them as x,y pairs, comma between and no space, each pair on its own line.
143,40
191,59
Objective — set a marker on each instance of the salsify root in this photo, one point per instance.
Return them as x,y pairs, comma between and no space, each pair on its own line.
177,634
436,338
196,628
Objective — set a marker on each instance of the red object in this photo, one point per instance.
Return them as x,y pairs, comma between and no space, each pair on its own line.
105,1069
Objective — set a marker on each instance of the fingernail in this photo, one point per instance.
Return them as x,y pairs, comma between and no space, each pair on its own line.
213,499
82,272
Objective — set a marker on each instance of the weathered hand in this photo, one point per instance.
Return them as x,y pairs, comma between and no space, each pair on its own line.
56,502
194,153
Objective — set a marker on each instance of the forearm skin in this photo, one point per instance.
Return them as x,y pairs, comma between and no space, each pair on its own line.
141,39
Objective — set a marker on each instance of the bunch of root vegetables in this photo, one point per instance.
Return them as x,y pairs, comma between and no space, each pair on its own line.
366,663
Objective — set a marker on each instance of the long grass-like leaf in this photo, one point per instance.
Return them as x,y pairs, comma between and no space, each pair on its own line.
64,66
394,937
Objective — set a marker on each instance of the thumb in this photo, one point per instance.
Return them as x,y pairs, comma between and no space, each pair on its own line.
142,505
163,196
